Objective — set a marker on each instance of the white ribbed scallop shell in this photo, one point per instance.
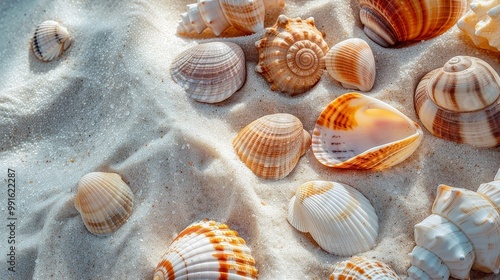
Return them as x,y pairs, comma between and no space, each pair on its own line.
360,268
50,40
482,24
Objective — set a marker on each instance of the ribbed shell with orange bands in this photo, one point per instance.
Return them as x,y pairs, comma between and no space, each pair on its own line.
357,268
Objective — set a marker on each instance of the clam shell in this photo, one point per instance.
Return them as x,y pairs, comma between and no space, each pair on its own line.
362,268
339,218
210,72
291,55
481,23
104,201
461,102
351,62
50,40
207,250
360,132
272,145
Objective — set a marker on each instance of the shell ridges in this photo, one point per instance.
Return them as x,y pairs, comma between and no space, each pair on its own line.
50,40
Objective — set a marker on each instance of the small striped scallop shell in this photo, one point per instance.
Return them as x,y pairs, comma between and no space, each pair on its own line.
461,102
360,268
360,132
50,40
482,24
351,62
207,250
272,145
339,218
210,72
104,201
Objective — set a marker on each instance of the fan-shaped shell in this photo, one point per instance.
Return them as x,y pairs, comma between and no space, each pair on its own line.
272,145
207,250
339,218
461,102
351,62
210,72
360,268
388,22
360,132
104,201
291,55
50,40
482,24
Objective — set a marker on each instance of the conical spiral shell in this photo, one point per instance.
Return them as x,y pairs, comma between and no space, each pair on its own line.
272,145
339,218
360,268
207,250
104,201
291,55
388,22
482,24
50,40
360,132
461,102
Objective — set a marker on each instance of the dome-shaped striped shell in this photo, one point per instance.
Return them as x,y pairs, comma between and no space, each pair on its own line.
50,40
360,268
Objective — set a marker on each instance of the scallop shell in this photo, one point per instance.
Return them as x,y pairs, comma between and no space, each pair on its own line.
482,24
218,15
210,72
104,201
339,218
363,268
50,40
351,62
388,22
291,55
207,250
272,145
360,132
463,232
461,102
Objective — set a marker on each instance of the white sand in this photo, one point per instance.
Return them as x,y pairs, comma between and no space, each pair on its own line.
109,104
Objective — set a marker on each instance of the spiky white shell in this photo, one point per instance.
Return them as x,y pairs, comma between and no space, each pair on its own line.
482,24
50,40
360,268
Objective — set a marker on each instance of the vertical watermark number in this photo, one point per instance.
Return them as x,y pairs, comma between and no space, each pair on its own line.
11,220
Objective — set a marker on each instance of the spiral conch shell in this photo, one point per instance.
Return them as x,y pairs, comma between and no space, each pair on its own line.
360,268
360,132
218,15
339,218
104,201
482,24
272,145
50,40
291,55
207,250
463,232
388,22
461,102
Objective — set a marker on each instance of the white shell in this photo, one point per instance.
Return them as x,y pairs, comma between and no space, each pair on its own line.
50,40
482,24
339,218
360,268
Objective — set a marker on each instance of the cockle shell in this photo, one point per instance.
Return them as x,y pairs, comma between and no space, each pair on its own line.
360,132
291,55
50,40
461,102
218,15
210,72
482,24
388,22
339,218
351,62
104,201
272,145
462,232
207,250
360,268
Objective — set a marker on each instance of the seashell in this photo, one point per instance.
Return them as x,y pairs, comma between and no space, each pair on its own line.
272,145
104,201
363,268
50,40
207,250
360,132
291,55
388,22
482,24
463,232
218,15
210,72
351,62
339,218
461,102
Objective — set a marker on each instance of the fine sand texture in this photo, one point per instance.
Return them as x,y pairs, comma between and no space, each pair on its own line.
109,104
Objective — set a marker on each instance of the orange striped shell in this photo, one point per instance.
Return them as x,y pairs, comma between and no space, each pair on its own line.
360,268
